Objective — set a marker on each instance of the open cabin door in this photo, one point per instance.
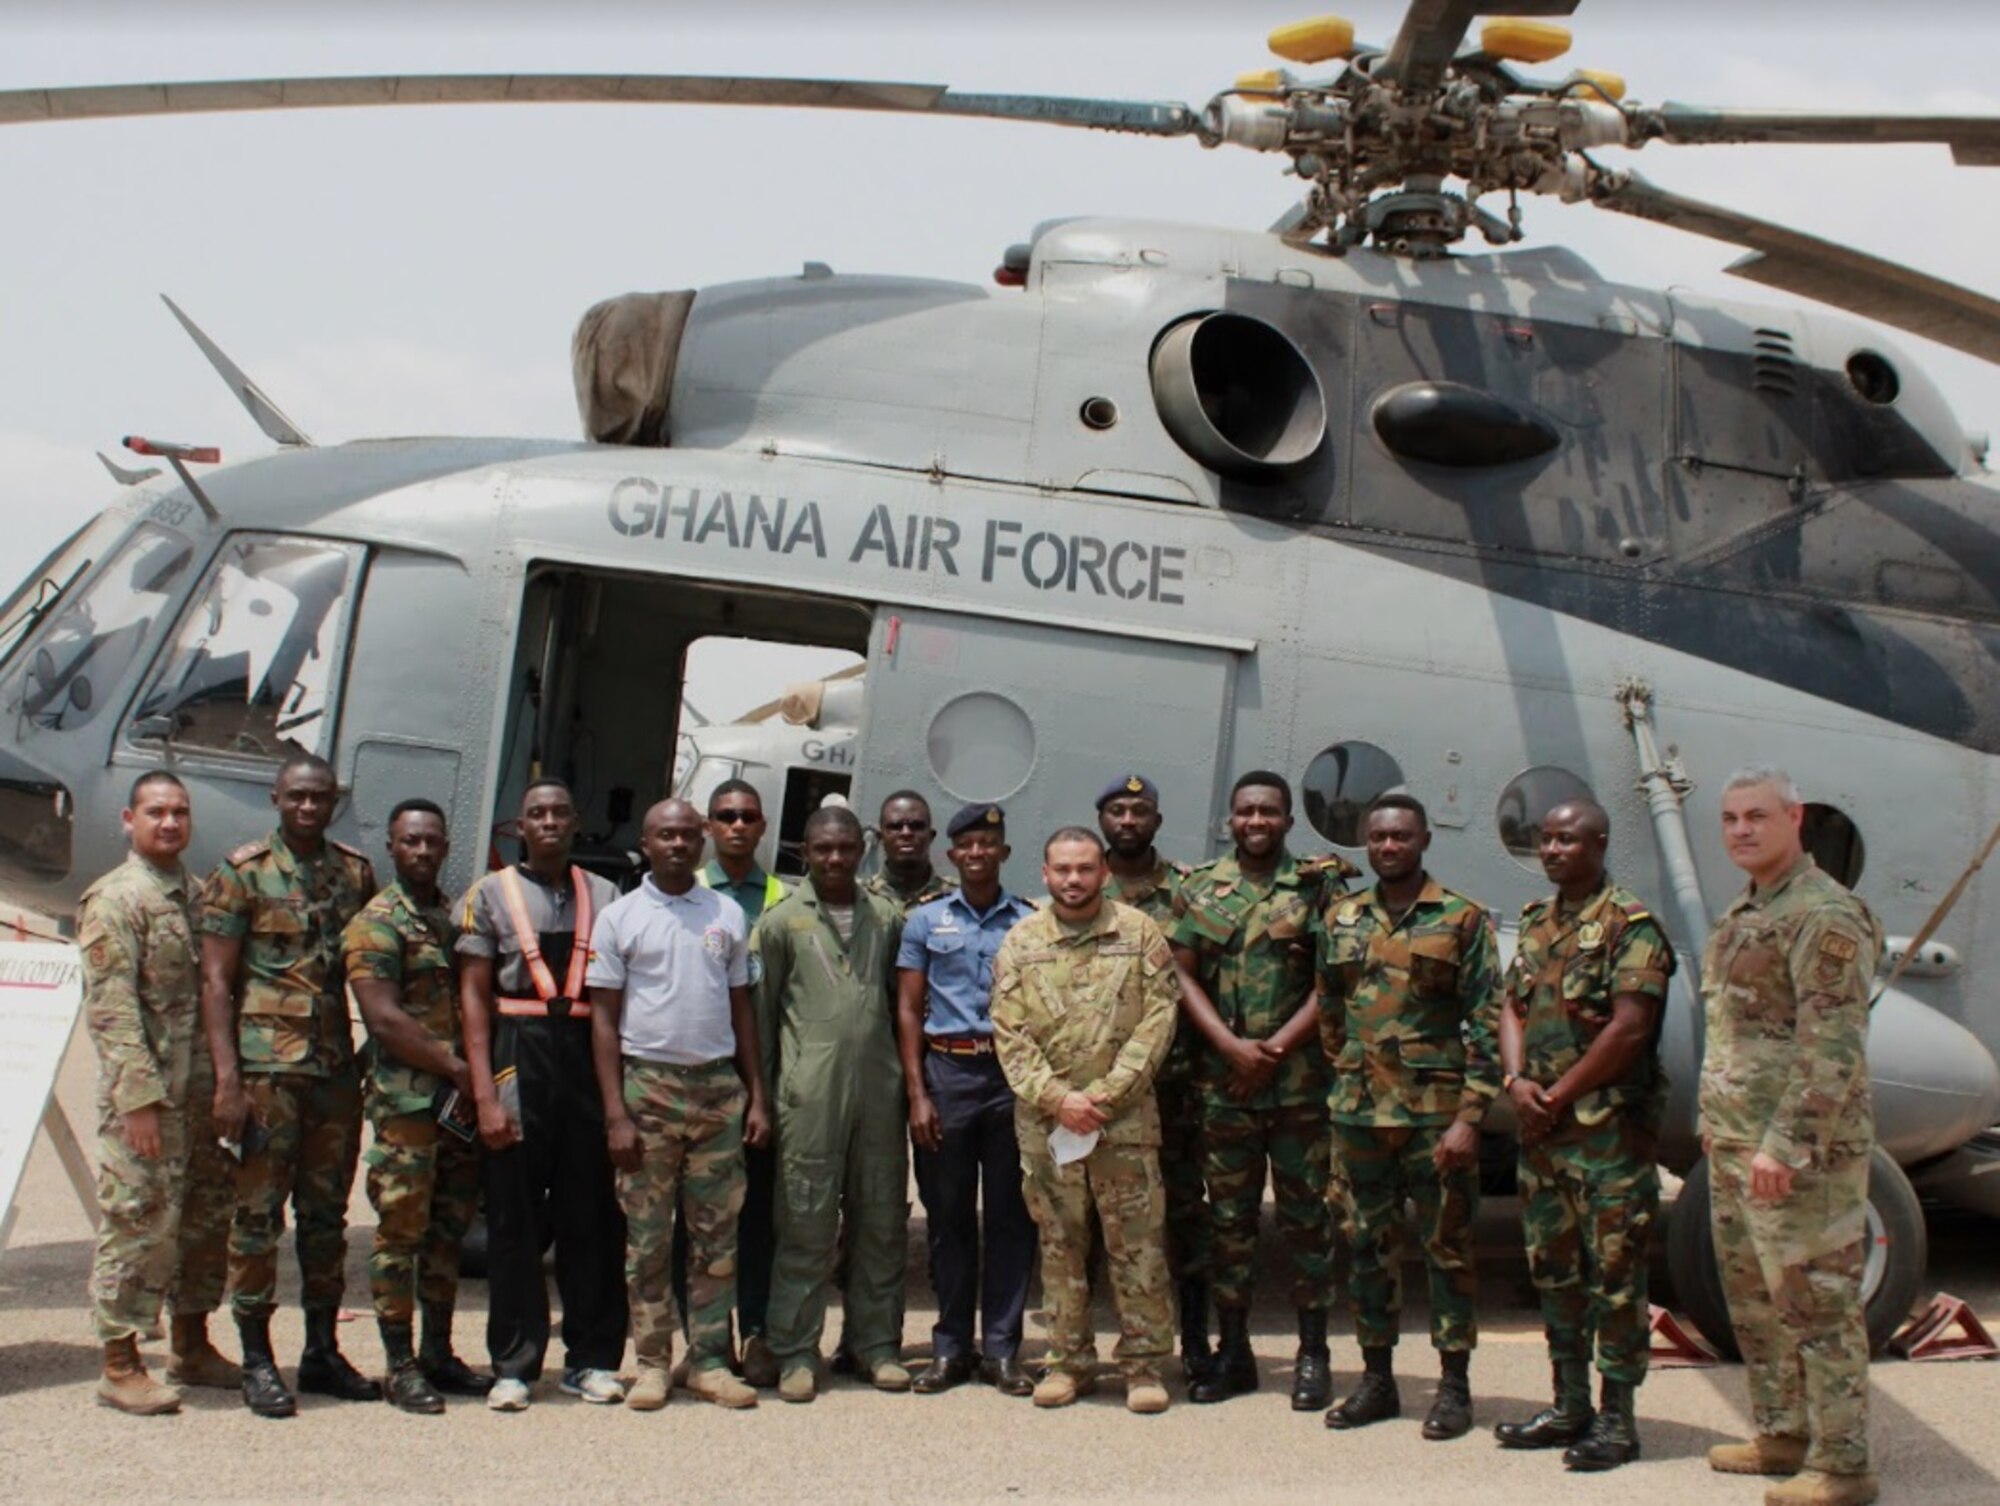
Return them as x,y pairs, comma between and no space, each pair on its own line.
1040,718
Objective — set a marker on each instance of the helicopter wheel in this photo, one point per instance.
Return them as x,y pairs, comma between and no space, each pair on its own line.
1892,1274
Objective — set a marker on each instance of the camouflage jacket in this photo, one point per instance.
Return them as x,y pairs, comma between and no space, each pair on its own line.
398,941
141,984
936,887
1156,896
1409,1008
289,914
1085,1009
1568,967
1254,955
1786,983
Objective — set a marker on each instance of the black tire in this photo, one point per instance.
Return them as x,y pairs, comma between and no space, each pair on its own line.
1897,1222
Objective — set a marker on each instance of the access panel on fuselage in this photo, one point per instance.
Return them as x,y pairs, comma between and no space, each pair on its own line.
1039,718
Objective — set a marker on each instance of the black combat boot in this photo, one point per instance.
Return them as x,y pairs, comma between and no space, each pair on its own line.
323,1369
1233,1371
407,1389
1312,1376
1614,1438
1375,1399
1451,1412
446,1372
1196,1355
1560,1425
264,1390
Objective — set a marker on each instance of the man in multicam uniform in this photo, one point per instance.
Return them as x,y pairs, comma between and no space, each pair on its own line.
423,1179
1128,816
162,1182
1243,940
1084,995
675,1042
1580,1055
1408,989
1789,1126
274,1001
907,878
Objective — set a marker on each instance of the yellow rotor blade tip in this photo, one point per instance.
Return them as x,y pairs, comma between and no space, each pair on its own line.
1319,40
1521,41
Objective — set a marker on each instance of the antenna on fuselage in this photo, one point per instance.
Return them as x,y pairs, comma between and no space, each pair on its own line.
263,412
124,476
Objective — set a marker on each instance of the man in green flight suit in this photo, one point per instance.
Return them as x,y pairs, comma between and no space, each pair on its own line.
1128,815
423,1175
1243,941
1409,1003
274,1003
1789,1126
1580,1057
826,1004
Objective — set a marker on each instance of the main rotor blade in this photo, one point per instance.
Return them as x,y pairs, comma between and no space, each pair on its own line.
1833,274
1974,139
1433,29
91,102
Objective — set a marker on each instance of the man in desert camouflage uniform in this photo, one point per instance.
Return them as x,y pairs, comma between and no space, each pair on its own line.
162,1183
1408,992
274,1001
674,1039
908,879
423,1178
1788,1125
1579,1052
1243,939
1084,994
1128,816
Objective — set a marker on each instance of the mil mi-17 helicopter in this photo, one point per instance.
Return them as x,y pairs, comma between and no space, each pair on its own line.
1333,498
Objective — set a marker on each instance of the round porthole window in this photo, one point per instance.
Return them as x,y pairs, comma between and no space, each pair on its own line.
1339,785
981,746
1834,841
1529,797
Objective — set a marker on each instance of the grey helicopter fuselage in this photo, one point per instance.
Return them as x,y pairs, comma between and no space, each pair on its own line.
1424,519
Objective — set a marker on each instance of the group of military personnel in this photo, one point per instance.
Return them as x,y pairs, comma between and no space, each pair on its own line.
707,1091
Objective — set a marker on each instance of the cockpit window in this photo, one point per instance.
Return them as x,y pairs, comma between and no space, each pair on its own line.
74,668
253,666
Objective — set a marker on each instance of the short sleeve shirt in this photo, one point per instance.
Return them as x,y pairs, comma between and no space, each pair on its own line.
953,946
485,929
398,941
676,956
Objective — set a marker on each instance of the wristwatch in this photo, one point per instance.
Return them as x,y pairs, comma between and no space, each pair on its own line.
1508,1080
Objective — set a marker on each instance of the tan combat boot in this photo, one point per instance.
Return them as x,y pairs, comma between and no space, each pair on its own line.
650,1391
1813,1487
1145,1395
128,1388
799,1383
1059,1388
1766,1454
716,1384
197,1362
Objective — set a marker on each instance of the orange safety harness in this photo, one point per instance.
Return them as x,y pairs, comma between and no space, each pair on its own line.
548,1004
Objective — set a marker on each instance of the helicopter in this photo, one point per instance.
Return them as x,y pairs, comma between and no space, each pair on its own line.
1341,497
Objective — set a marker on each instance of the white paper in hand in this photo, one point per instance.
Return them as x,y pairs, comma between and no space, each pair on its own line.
1066,1145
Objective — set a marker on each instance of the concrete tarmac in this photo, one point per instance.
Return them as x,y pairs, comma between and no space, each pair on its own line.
1933,1431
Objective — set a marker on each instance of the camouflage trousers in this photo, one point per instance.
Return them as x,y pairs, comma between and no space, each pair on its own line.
1375,1169
1589,1198
1238,1145
1122,1184
690,1122
165,1236
1792,1273
423,1182
1181,1168
314,1129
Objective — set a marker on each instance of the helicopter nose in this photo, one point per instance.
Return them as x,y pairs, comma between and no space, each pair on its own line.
37,826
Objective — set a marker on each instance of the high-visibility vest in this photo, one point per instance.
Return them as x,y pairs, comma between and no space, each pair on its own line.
548,1003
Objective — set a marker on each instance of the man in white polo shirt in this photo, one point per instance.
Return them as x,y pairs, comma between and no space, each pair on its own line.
675,1042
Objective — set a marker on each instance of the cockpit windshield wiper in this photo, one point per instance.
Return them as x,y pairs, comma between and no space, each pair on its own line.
47,593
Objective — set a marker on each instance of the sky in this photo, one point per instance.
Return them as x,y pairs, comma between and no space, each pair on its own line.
420,270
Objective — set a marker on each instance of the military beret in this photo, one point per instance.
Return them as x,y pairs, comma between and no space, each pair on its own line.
983,816
1127,786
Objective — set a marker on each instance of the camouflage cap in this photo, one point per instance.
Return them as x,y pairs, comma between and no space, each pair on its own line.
984,815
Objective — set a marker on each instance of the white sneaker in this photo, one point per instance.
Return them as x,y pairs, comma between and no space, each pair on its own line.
508,1395
599,1387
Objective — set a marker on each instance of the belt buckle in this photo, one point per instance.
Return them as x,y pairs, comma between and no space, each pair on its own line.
559,1007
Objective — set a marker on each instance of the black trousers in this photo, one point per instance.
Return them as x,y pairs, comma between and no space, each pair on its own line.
555,1183
983,1270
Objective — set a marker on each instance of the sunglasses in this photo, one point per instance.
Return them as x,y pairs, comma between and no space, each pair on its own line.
906,826
735,818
